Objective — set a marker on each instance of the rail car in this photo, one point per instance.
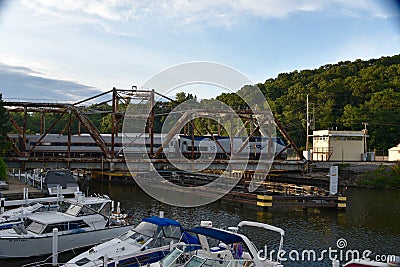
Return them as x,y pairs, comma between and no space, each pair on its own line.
205,146
138,145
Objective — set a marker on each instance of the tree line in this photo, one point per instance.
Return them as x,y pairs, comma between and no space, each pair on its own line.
343,96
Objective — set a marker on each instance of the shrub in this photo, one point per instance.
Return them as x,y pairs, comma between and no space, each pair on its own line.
3,170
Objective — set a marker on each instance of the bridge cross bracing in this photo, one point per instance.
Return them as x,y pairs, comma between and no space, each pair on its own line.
82,113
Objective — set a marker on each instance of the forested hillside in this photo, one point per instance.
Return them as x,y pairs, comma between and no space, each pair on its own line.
343,96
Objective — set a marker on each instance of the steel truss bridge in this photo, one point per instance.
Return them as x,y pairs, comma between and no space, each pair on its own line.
24,156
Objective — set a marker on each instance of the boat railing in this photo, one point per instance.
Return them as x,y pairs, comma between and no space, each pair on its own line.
52,260
197,261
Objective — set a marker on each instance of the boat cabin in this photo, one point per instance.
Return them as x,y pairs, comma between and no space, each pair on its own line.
59,182
154,232
73,215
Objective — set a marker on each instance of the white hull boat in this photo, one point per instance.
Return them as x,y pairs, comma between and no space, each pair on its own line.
34,246
222,248
16,216
148,242
79,222
394,261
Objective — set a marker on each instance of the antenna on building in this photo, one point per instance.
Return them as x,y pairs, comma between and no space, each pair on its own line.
307,126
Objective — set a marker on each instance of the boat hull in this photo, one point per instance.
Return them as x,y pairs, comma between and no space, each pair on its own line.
365,263
23,247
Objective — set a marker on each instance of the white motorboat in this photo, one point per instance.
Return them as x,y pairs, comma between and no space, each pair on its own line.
222,248
80,222
391,262
16,216
59,181
148,242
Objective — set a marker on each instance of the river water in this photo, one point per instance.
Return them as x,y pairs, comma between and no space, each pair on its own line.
371,222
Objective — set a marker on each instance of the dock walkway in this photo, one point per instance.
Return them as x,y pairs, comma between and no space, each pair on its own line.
16,189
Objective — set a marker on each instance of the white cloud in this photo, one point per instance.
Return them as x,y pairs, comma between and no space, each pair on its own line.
22,83
106,9
189,12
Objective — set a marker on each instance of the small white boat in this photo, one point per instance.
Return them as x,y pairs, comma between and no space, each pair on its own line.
16,216
80,221
393,261
222,248
148,242
59,181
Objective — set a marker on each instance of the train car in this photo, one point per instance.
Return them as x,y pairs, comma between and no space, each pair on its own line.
205,145
138,146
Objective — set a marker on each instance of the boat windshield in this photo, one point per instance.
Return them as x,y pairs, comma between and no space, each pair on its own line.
240,263
35,227
195,261
73,210
147,229
172,231
171,258
134,238
64,207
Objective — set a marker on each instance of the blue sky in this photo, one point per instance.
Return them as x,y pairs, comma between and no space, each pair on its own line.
67,50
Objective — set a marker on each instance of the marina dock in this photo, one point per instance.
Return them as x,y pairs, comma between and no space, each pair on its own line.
16,187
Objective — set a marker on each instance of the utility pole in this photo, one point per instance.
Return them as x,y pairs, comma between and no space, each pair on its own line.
307,126
365,131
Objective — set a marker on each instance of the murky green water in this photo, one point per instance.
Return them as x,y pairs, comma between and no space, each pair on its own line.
371,222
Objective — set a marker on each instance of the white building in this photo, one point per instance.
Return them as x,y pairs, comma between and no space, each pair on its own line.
339,145
394,153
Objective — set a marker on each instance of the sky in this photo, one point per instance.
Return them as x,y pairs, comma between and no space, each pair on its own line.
69,50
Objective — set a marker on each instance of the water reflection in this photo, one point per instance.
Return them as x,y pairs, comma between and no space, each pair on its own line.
371,220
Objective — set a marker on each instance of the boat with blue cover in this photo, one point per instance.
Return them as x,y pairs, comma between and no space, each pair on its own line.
148,242
223,248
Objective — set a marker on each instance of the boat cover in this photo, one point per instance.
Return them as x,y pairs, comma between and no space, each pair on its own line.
161,221
226,237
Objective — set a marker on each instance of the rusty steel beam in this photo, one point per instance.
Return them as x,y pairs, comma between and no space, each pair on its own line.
67,125
47,131
69,135
192,136
113,120
35,109
92,130
177,127
290,140
14,123
213,137
42,122
90,98
25,122
14,146
34,104
246,141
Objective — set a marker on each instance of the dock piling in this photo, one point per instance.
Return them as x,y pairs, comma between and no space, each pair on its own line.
2,201
55,247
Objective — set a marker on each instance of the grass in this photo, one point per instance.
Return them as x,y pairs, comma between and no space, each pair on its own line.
383,177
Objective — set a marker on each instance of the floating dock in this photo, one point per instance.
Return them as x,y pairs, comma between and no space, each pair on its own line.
305,201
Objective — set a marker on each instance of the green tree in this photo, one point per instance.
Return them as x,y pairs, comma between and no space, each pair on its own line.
5,128
3,170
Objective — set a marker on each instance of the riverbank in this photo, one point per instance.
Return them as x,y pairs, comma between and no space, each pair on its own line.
382,175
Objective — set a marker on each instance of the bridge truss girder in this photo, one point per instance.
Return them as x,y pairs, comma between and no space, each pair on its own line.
81,112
